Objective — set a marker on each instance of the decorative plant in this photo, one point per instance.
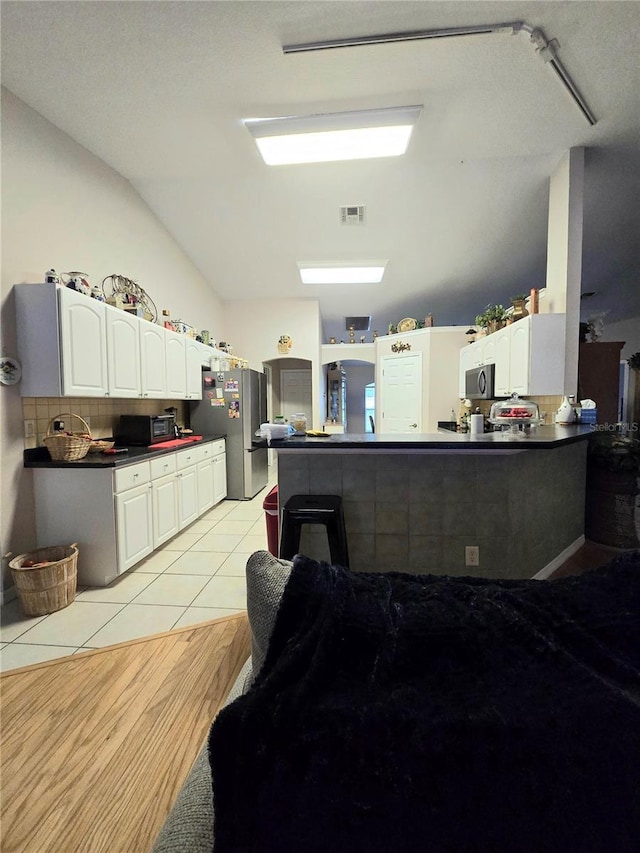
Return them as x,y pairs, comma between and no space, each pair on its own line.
634,361
491,314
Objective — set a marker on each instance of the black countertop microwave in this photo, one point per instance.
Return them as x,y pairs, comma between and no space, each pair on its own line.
145,429
479,382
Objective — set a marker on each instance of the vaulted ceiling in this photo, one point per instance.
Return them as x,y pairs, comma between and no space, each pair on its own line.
159,90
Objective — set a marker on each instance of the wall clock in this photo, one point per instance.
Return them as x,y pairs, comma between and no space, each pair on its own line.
10,370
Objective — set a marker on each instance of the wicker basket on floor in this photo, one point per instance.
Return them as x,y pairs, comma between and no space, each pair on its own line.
67,448
45,589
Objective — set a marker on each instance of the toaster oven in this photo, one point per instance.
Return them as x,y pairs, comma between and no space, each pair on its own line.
145,429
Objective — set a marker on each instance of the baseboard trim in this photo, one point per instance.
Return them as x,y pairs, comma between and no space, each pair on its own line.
562,557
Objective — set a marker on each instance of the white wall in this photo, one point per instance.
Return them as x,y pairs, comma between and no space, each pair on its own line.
62,207
440,347
254,329
564,255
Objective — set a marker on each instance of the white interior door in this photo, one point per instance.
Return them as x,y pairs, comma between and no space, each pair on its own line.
401,393
295,393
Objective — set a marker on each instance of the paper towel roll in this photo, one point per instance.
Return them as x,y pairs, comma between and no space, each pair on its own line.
477,424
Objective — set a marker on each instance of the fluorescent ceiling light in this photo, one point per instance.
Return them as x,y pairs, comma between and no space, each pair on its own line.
364,273
334,136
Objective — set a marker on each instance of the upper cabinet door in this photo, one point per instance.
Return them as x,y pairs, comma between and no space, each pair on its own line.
194,370
123,353
520,357
153,363
176,366
84,347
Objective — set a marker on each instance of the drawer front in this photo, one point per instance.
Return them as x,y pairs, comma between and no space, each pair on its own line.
132,475
185,458
163,465
217,447
204,452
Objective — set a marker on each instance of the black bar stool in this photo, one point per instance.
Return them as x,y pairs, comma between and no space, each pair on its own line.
314,509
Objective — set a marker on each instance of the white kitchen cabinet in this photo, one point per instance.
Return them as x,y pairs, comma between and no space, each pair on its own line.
502,361
528,356
186,466
537,355
219,460
519,357
120,515
164,498
134,526
84,346
193,367
187,496
71,345
153,361
123,353
61,342
470,357
175,349
205,485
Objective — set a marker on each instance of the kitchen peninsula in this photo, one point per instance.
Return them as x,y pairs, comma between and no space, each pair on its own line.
414,502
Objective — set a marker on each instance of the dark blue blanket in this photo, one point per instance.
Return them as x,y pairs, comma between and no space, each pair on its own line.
401,713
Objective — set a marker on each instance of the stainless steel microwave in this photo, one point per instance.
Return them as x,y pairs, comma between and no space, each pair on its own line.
479,382
145,429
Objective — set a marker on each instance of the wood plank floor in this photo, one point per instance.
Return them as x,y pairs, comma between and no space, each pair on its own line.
96,746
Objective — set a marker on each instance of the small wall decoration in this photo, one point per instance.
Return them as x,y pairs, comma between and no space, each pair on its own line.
284,343
10,370
400,347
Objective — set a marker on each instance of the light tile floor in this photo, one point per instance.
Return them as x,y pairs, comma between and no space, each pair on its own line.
198,575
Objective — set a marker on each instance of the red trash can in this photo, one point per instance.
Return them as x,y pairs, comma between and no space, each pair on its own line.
270,506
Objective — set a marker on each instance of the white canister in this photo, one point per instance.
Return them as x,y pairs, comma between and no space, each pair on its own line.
477,424
565,414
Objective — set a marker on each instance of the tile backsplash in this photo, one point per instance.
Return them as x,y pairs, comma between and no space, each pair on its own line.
100,413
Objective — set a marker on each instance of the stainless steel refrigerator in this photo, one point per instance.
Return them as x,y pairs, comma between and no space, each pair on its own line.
234,404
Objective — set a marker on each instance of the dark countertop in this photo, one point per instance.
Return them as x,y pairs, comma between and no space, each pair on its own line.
39,457
543,437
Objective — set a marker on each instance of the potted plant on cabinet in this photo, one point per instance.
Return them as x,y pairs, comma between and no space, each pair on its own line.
492,318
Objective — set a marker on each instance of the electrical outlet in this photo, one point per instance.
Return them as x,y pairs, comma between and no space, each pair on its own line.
472,555
29,429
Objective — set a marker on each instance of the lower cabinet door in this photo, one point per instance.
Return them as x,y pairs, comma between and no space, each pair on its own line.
187,496
205,486
219,477
134,526
164,496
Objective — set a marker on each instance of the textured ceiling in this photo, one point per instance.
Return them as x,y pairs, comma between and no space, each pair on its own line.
158,90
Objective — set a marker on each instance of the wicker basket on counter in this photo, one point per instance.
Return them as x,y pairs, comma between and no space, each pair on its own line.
48,582
67,448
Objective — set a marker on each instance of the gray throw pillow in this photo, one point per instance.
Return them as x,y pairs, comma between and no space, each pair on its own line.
267,577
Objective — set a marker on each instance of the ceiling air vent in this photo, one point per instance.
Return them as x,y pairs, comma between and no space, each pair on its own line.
352,215
359,324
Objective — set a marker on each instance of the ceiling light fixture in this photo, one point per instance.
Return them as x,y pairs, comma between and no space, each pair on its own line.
328,137
364,272
546,49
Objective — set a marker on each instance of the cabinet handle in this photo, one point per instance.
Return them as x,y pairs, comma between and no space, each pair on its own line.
135,475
